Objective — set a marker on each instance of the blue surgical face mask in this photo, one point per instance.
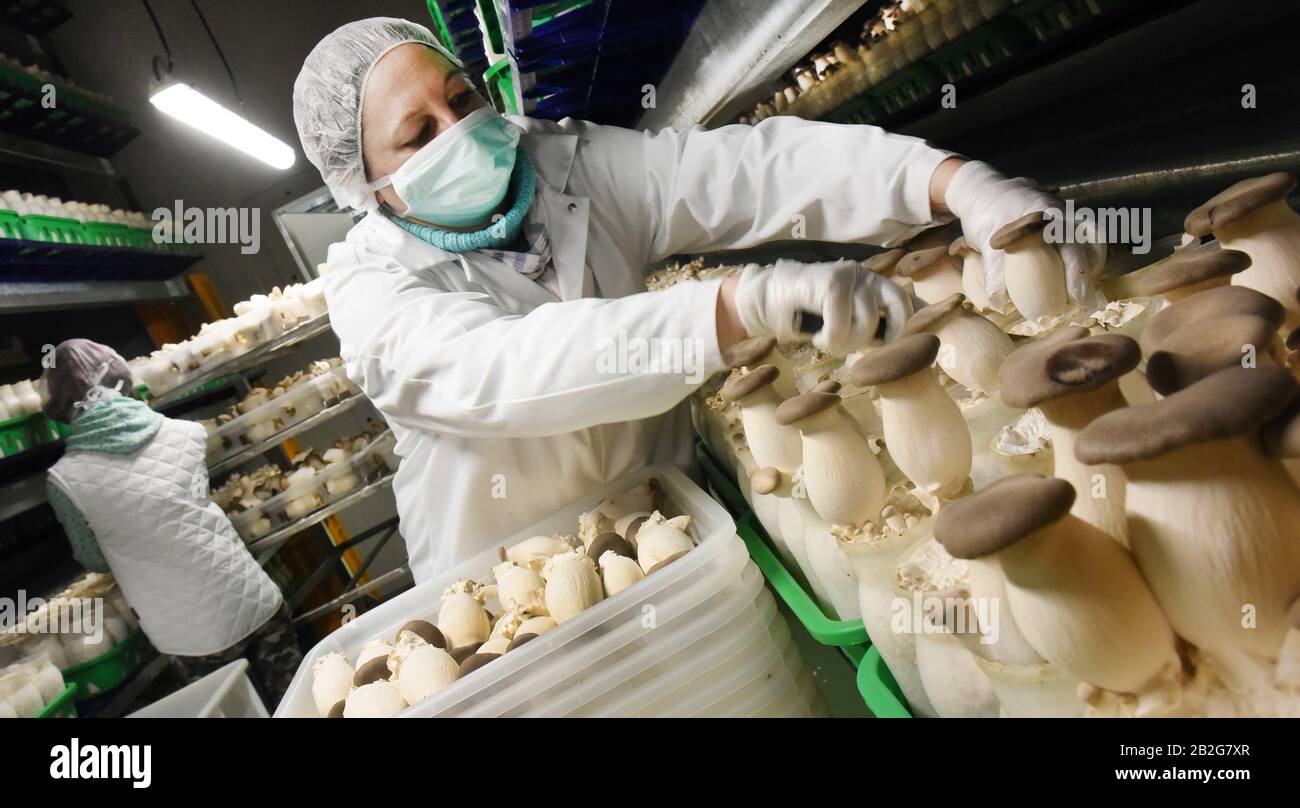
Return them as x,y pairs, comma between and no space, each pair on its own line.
459,178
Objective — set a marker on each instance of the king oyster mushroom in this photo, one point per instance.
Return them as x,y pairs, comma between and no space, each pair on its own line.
1186,272
771,443
924,430
572,585
1078,598
1032,268
520,588
885,264
934,273
1253,216
1073,378
973,283
420,670
379,699
844,481
1212,520
660,541
530,629
971,349
618,572
462,618
758,351
537,547
331,680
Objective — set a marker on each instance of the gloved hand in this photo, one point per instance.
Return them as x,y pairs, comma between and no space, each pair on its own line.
849,298
985,200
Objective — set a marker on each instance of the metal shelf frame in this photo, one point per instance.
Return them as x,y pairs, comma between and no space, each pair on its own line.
247,453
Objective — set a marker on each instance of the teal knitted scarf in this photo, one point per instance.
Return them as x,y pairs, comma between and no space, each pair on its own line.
500,234
114,426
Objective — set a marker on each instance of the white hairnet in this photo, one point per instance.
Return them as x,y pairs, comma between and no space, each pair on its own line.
79,366
328,93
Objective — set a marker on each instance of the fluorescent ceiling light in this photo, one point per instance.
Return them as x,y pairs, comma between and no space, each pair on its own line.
189,106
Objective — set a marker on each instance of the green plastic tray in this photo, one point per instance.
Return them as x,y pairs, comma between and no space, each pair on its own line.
994,43
11,225
500,83
53,228
108,670
878,688
17,435
1050,19
913,84
823,629
106,234
63,706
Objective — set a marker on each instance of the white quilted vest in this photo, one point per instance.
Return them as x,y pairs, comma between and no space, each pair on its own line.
179,561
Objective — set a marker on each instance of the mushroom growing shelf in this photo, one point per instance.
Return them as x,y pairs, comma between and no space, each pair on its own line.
32,261
74,122
232,460
35,17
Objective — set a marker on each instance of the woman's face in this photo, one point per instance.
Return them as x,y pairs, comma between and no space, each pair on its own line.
414,94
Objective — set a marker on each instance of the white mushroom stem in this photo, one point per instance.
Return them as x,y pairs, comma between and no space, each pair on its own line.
784,383
841,475
1287,672
1099,489
925,433
772,444
1271,237
1001,640
1035,278
1213,527
1082,604
972,350
827,564
937,281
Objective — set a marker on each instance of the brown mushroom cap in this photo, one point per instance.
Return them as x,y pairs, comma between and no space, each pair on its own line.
933,315
1238,201
1031,224
519,640
885,262
916,263
670,559
373,671
750,352
793,410
961,247
336,711
464,652
1198,349
610,542
475,661
426,631
1189,267
633,527
1212,304
765,480
740,386
903,357
1007,511
1048,370
1226,404
828,386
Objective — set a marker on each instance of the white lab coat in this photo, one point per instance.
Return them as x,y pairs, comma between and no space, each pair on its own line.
500,393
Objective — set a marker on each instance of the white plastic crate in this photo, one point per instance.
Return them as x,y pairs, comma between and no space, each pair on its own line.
300,402
567,665
224,693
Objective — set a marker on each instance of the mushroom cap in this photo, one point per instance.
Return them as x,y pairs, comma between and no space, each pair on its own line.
914,263
934,314
1281,436
519,639
374,670
1072,363
1212,304
1028,225
611,542
961,247
426,631
741,386
885,262
903,357
828,386
794,410
1226,404
1238,201
1189,267
475,661
670,559
748,353
1007,511
765,480
464,652
1198,349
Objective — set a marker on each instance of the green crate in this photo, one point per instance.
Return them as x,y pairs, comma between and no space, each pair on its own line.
63,706
141,238
53,229
911,85
994,43
492,26
108,670
500,83
1050,19
822,628
878,688
11,225
107,234
17,435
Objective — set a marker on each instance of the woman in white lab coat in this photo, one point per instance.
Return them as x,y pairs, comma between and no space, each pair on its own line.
482,301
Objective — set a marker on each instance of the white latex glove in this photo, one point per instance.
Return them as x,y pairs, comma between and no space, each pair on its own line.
985,200
849,298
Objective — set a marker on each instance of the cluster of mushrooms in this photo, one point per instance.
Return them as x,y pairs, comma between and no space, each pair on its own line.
539,583
297,403
1038,509
901,33
248,497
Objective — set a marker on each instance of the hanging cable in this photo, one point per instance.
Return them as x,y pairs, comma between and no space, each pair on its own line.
159,70
221,54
